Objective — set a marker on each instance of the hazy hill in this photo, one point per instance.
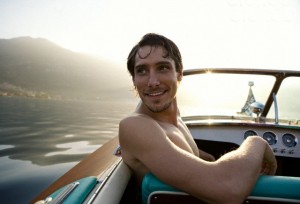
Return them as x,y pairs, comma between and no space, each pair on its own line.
38,65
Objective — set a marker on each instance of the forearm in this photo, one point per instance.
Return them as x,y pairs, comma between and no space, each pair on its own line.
244,165
260,154
230,178
249,155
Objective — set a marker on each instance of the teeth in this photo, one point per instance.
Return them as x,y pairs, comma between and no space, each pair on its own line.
155,94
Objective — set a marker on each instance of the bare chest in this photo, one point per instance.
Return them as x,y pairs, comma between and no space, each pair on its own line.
180,137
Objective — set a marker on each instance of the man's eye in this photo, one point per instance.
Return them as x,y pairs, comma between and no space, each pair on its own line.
163,68
140,71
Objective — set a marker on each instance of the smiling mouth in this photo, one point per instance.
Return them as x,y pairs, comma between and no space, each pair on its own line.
156,93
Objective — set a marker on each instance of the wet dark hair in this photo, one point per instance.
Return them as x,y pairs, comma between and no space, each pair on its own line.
155,40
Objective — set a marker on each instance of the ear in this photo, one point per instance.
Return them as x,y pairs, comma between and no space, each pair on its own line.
179,75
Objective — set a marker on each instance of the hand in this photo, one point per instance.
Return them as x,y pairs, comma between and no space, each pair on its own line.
206,156
269,164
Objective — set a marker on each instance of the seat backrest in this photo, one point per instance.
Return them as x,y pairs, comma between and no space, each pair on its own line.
268,189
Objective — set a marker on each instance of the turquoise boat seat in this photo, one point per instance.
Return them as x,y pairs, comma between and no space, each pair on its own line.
77,195
268,189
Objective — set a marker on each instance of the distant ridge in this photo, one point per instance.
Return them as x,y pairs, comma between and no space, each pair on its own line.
38,67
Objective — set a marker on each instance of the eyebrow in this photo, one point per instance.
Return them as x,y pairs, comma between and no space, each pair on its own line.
164,62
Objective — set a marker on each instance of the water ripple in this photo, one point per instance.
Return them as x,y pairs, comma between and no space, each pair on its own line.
3,147
73,148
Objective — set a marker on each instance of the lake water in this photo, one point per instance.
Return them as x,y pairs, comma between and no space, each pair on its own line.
42,139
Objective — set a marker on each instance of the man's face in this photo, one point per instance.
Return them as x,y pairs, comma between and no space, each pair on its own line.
155,78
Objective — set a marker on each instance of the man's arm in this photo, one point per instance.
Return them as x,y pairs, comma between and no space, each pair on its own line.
230,179
206,156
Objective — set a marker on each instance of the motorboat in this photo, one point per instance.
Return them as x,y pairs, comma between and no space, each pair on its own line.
221,107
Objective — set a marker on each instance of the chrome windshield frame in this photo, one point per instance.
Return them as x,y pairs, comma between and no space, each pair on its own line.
279,75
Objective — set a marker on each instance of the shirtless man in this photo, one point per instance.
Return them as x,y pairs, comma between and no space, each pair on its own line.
155,139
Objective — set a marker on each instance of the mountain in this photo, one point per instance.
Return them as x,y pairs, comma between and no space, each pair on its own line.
36,66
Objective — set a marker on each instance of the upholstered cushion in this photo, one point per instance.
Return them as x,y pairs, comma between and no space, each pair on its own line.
278,187
75,194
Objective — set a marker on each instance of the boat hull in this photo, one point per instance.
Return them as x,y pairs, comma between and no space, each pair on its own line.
95,164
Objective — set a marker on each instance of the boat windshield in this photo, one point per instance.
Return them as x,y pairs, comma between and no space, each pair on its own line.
214,94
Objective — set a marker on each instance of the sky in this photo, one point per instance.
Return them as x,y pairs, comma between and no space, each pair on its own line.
209,33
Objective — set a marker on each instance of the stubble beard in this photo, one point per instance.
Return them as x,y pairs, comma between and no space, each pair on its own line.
158,109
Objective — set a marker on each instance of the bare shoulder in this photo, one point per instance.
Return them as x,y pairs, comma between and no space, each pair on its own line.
136,122
134,117
145,145
137,126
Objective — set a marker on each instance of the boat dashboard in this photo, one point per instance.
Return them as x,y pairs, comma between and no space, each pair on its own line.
219,137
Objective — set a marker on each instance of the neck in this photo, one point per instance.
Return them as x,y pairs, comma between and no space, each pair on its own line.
170,115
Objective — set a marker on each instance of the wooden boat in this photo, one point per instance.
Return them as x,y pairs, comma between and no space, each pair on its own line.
217,132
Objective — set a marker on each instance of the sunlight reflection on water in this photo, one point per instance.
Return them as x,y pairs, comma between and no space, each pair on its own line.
81,147
41,139
2,147
25,181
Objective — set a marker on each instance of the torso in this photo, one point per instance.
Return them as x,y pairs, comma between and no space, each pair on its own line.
179,135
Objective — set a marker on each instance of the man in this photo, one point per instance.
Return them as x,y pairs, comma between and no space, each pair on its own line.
155,139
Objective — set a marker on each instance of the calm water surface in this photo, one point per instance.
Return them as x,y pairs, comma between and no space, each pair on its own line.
42,139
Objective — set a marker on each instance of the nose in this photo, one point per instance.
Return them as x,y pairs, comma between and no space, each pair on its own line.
153,80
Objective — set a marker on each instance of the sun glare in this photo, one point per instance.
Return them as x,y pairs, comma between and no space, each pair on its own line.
210,93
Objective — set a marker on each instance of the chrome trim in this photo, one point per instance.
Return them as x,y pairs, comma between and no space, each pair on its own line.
63,194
